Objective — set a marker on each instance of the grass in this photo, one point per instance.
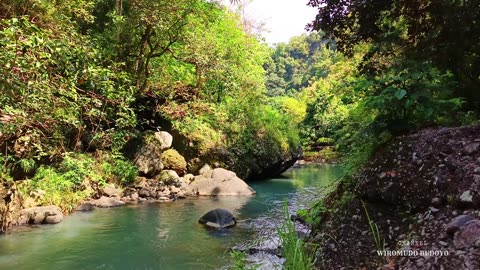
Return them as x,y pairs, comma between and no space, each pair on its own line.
238,260
298,255
379,243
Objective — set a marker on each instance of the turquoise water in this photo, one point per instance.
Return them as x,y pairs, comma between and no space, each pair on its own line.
157,236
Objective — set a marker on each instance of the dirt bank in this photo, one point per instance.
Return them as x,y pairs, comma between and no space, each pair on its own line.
422,192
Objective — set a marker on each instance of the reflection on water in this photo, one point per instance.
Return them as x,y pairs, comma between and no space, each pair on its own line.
155,236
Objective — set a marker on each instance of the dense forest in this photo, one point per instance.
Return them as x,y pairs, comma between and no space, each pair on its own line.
80,80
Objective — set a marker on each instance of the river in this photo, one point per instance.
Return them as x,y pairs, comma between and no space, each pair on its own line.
161,236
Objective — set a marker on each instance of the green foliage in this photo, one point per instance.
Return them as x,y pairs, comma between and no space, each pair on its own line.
297,254
124,171
328,154
238,261
423,30
54,90
59,189
116,169
294,64
377,238
76,168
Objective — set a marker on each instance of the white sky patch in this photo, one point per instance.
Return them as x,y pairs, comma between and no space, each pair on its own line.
283,19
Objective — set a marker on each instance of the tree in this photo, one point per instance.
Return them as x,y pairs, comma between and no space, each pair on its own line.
441,31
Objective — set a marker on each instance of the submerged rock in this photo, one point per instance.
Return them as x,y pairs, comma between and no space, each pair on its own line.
218,218
222,183
41,215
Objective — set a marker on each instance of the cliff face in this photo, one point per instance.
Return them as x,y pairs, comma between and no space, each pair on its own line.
10,205
265,159
419,193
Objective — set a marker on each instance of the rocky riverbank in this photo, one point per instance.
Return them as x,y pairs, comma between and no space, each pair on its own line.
419,196
163,177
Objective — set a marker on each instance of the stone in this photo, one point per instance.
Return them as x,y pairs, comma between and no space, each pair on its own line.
218,218
144,193
476,170
182,183
41,215
188,178
466,197
140,182
467,235
145,152
436,202
134,196
471,148
106,202
169,177
111,191
222,183
206,171
85,207
220,174
164,138
457,223
160,194
181,195
174,190
172,160
165,199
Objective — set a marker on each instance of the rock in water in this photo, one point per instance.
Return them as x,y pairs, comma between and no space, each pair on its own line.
85,207
221,183
218,218
41,215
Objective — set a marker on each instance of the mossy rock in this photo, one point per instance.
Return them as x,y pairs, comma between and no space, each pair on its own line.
172,160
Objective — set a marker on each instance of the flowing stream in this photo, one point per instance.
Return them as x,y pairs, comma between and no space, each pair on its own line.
162,236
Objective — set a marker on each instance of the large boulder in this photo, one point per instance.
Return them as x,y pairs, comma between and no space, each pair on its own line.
146,150
41,215
106,202
172,160
222,183
218,218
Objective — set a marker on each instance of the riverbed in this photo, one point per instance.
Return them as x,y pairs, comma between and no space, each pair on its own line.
162,236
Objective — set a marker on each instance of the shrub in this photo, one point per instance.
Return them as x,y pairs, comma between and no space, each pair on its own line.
124,171
75,168
59,190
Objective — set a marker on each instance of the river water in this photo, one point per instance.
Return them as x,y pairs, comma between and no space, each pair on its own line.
161,236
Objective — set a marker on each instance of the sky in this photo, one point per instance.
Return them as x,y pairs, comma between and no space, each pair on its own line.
283,18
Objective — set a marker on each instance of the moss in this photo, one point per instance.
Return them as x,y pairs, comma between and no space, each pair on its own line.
172,160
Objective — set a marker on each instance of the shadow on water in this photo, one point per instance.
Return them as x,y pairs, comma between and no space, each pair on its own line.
153,236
